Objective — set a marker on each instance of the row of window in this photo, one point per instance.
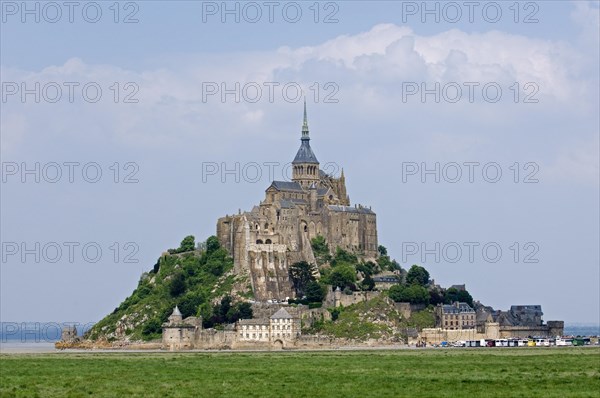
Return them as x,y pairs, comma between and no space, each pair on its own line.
455,316
285,322
266,335
277,327
464,323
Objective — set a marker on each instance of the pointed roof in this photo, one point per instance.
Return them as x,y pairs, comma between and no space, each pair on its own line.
281,314
305,153
176,311
305,122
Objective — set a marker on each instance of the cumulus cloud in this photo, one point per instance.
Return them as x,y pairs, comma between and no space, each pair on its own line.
367,70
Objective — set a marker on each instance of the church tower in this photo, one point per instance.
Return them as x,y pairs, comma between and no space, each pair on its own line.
305,164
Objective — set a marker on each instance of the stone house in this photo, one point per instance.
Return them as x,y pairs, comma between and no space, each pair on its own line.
280,326
457,315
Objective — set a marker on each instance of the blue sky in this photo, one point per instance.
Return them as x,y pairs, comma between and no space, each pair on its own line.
375,130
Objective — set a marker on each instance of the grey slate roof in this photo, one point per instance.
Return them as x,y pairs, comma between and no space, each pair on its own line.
253,321
291,203
286,186
281,314
482,316
386,279
350,209
305,154
451,309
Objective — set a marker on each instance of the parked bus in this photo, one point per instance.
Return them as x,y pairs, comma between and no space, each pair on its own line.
564,341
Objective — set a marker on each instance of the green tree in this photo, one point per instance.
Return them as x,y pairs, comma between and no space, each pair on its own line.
244,310
417,294
413,294
385,263
382,250
212,245
152,327
343,276
315,293
465,297
367,268
343,256
436,297
187,244
188,304
454,294
417,275
396,293
368,283
225,306
177,286
301,273
215,266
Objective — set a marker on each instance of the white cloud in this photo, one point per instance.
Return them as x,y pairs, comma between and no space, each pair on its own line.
368,67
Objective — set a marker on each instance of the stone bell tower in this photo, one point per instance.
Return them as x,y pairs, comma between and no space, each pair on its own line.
305,164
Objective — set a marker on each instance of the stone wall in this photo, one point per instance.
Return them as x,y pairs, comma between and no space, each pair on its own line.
179,337
437,335
533,331
406,309
492,330
347,299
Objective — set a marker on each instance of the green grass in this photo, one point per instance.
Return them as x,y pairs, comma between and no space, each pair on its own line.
519,372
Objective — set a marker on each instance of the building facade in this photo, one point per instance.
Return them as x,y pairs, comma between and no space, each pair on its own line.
276,233
280,326
457,315
280,330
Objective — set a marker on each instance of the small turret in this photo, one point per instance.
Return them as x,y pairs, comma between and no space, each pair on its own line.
337,297
176,316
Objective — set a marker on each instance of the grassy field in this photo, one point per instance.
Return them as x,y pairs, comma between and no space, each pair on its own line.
519,372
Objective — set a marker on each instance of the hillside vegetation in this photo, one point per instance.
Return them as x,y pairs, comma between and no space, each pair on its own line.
199,282
373,319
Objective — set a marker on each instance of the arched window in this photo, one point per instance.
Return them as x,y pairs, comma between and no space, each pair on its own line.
259,242
268,241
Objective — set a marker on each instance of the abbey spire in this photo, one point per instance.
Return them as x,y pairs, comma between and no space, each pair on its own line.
305,124
306,165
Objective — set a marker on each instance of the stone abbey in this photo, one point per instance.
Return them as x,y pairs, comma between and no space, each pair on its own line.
265,241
